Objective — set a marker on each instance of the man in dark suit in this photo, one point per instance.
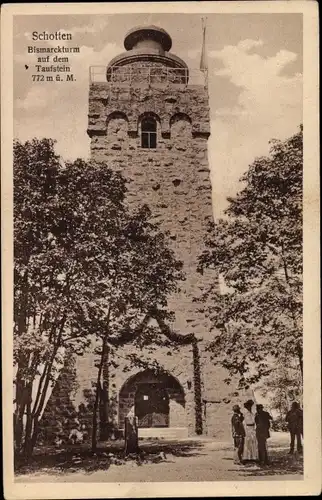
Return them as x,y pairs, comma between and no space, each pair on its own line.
262,420
294,418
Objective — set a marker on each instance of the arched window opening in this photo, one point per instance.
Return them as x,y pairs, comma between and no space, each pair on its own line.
149,133
117,123
180,125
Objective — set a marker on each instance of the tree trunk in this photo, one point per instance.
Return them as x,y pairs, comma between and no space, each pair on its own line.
300,356
34,437
46,375
18,427
20,401
197,387
94,420
18,430
32,425
97,396
104,409
20,316
28,428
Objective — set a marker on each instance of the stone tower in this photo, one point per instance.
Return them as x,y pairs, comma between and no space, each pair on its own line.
149,119
150,123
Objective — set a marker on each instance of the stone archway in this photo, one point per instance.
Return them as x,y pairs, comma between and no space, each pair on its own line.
152,405
158,400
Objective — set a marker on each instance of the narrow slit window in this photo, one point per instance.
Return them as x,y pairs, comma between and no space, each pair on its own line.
149,133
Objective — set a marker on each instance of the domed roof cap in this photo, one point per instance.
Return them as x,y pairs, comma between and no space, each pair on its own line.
147,33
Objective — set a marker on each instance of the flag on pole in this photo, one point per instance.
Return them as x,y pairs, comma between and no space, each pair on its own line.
203,58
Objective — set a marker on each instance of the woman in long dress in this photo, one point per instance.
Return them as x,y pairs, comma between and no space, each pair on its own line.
131,433
250,446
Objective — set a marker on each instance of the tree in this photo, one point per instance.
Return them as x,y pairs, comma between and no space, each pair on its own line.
257,249
142,274
38,324
85,267
282,386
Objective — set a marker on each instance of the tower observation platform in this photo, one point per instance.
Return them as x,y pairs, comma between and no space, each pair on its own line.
147,62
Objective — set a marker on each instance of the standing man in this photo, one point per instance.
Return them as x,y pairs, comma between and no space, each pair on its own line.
238,433
294,418
262,420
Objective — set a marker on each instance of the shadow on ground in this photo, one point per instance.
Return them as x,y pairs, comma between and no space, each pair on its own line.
71,459
280,464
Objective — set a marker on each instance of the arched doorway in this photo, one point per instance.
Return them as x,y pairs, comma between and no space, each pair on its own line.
152,405
157,399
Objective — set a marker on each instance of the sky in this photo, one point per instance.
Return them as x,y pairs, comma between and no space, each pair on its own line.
255,82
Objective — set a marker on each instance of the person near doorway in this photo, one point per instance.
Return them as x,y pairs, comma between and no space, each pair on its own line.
131,433
263,423
294,418
250,447
238,433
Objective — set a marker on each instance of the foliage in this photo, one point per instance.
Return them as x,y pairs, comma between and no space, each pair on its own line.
279,425
257,249
282,386
84,266
60,414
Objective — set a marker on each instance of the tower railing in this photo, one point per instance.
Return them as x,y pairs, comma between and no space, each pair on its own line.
146,76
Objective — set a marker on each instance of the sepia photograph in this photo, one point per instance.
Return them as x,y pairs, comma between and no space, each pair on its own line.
158,196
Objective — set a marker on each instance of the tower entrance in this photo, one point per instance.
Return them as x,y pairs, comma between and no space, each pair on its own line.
158,401
152,405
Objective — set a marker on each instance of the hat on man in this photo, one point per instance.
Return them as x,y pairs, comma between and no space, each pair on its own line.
236,408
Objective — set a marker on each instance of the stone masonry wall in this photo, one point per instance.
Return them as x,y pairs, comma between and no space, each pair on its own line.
178,363
173,180
219,397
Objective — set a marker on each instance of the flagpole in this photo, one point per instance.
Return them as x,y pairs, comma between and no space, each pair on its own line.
203,58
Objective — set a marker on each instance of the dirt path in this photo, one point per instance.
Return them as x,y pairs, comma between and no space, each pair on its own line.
206,460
